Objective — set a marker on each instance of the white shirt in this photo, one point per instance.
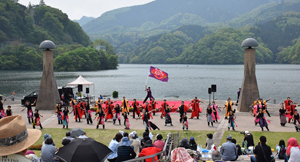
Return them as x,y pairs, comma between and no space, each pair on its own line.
82,136
294,155
15,158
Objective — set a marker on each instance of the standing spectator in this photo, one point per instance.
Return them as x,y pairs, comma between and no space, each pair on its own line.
48,151
228,150
248,139
209,141
136,143
293,150
149,150
159,143
125,151
15,150
193,144
262,151
113,145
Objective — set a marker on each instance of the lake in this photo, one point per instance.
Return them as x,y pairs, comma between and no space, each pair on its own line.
185,81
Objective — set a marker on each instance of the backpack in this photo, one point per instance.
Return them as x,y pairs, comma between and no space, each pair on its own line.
281,152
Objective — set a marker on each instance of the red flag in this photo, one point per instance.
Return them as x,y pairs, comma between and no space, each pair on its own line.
158,74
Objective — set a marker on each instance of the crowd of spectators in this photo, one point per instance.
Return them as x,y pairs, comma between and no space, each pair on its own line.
16,139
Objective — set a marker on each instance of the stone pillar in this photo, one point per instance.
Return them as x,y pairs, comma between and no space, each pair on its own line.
48,95
249,92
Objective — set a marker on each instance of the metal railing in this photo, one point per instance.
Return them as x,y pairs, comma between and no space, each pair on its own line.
171,143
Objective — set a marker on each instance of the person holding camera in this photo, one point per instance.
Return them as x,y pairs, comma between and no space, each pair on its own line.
248,139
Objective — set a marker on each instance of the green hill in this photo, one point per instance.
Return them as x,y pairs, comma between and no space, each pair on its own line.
165,15
37,23
22,29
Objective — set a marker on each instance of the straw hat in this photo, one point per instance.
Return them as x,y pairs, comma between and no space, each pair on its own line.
14,136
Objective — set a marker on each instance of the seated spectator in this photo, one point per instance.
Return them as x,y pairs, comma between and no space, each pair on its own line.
83,135
45,137
281,150
48,151
149,150
228,150
262,151
293,150
125,134
68,136
193,144
216,156
145,134
238,147
31,155
15,147
158,142
184,143
136,143
209,141
248,139
113,145
125,151
181,154
144,141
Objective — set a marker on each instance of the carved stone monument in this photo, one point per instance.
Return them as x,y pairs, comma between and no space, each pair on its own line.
249,92
48,95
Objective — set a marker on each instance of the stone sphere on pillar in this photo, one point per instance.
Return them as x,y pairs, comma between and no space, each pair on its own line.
249,43
47,45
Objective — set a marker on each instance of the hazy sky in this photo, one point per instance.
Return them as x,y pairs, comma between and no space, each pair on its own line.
78,8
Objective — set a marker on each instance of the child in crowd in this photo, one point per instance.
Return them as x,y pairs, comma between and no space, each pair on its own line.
8,111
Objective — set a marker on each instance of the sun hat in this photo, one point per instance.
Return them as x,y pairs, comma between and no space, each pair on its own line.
14,136
125,141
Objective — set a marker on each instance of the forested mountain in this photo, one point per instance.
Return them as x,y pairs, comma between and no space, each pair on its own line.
37,23
83,20
198,45
166,15
22,29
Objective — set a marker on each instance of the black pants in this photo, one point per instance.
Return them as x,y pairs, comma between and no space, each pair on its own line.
135,111
89,119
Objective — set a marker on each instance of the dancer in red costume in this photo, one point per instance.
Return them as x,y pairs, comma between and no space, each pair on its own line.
109,110
163,107
136,109
148,110
215,114
153,104
182,109
195,108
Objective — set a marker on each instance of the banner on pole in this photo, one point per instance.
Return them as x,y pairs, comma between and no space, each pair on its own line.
158,74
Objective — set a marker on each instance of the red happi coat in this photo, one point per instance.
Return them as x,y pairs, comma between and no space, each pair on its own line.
77,107
109,107
195,108
149,109
137,107
164,105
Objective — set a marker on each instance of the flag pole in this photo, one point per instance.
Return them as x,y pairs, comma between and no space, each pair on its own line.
147,80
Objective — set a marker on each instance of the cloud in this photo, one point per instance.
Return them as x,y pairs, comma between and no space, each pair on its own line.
75,9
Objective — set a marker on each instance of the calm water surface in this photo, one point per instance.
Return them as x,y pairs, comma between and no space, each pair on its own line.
185,81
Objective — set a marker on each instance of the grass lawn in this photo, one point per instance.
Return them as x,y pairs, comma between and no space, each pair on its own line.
105,136
273,138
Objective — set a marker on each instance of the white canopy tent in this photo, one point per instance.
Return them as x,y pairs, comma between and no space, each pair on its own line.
82,81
